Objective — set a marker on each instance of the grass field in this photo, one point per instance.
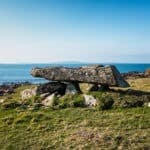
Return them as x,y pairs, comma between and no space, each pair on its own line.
140,84
76,128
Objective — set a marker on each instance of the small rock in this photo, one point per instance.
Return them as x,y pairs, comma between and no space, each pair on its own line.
2,101
90,100
147,104
6,89
50,100
28,93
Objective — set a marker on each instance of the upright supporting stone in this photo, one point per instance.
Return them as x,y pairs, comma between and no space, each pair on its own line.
72,88
87,87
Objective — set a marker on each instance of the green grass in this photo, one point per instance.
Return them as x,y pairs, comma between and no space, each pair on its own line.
75,128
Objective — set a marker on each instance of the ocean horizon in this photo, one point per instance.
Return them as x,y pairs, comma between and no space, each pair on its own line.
17,73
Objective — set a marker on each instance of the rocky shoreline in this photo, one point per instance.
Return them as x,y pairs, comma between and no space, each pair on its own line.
136,75
8,88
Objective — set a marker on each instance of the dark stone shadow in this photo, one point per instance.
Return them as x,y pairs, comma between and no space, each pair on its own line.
130,92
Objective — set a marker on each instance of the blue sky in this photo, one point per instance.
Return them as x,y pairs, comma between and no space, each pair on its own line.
43,31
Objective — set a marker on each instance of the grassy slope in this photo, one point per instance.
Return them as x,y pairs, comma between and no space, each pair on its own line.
79,128
75,128
140,84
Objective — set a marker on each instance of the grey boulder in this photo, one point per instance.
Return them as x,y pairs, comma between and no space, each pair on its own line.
107,75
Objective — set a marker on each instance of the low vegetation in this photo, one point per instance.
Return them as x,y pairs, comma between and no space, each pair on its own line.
117,122
142,84
75,128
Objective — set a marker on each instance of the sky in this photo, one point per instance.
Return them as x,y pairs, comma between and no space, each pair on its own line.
45,31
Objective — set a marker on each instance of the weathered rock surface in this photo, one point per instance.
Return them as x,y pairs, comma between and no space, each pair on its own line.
87,87
108,75
133,75
147,104
50,100
2,101
72,88
28,93
7,89
90,101
136,74
51,87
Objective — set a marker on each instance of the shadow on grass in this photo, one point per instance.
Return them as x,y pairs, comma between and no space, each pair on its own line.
130,92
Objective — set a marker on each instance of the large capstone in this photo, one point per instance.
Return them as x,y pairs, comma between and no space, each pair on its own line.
97,74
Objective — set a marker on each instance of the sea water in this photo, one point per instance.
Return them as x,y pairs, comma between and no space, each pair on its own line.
21,72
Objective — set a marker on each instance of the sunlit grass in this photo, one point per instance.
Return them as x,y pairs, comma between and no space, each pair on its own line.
142,84
76,128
